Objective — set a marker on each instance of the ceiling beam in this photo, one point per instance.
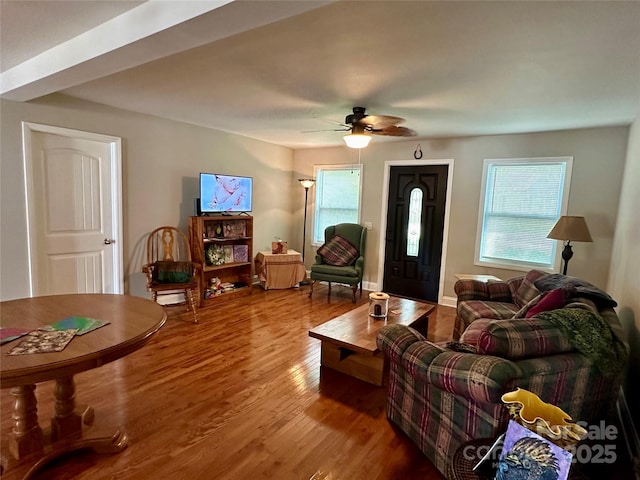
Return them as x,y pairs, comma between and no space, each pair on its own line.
153,30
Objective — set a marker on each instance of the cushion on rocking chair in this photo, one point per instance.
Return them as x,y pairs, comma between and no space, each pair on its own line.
172,272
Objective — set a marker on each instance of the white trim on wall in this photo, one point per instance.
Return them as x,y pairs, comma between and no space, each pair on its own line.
383,220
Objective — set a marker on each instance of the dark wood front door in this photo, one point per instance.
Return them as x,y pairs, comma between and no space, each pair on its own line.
413,242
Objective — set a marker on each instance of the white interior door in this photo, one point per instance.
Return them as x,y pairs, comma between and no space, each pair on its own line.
74,209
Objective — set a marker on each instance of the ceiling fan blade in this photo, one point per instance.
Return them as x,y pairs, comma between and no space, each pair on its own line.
333,122
345,129
394,131
381,121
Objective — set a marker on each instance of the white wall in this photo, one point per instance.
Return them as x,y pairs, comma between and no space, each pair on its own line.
162,160
599,157
624,283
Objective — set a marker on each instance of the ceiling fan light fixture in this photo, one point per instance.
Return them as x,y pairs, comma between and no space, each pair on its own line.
357,140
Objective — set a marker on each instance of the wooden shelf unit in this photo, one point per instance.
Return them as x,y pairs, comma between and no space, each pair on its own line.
223,231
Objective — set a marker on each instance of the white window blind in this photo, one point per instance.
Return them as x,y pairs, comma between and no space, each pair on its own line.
337,197
521,201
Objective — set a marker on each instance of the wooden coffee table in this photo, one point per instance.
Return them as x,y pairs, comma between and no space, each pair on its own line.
349,341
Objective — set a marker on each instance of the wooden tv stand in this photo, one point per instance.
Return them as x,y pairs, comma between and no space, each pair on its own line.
230,233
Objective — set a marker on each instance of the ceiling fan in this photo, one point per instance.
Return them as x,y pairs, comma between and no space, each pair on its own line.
361,126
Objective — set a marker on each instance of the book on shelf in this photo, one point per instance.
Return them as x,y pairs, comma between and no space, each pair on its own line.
214,230
228,253
214,255
234,229
241,253
226,287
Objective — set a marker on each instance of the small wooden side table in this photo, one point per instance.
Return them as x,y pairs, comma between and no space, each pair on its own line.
280,270
480,278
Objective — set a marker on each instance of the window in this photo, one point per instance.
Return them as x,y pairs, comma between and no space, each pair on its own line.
521,201
337,197
414,225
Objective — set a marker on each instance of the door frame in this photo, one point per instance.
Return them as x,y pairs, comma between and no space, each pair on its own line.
385,205
115,161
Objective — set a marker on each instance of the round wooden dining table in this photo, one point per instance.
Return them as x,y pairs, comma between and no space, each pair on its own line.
131,323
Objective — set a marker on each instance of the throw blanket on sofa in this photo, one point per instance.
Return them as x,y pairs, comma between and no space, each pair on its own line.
582,288
590,334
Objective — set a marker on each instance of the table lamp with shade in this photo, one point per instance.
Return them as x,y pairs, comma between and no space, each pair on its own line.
570,228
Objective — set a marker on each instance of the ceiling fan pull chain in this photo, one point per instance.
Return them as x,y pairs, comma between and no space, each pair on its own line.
418,153
359,152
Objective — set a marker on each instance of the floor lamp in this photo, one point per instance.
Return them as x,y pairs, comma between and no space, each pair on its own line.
307,183
570,229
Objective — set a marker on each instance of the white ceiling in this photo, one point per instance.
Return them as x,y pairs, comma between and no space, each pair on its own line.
273,70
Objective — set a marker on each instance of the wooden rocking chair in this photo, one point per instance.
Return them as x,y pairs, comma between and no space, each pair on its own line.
170,269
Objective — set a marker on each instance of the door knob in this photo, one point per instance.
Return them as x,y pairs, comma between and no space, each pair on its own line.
109,241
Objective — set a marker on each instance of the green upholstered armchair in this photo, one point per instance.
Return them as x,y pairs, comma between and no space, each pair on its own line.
341,258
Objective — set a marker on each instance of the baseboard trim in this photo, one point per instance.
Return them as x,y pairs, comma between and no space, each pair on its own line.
629,432
370,286
446,301
449,301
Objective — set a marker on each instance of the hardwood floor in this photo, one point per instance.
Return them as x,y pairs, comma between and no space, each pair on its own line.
241,396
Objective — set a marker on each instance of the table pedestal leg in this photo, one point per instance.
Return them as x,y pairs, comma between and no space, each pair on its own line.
67,422
114,443
26,435
32,449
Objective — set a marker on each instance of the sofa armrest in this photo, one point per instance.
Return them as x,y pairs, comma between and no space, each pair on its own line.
393,340
483,378
477,290
522,338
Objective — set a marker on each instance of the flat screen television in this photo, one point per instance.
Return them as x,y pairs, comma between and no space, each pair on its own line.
225,193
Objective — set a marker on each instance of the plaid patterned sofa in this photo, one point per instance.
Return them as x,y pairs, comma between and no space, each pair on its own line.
493,299
442,395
